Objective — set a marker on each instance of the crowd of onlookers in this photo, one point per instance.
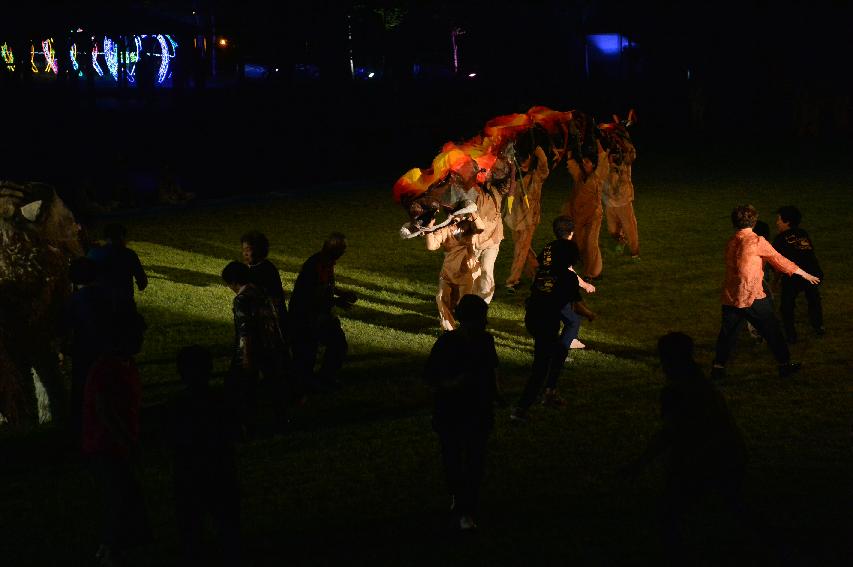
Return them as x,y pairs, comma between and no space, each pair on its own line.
274,357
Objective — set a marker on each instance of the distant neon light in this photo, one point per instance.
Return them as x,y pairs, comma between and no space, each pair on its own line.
73,54
8,56
95,64
111,56
49,56
134,58
165,56
33,59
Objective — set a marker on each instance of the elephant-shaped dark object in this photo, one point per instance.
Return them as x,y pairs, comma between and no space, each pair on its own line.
38,239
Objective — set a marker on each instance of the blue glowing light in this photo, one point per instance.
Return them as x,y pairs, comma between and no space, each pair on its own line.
165,56
131,74
610,43
255,71
111,56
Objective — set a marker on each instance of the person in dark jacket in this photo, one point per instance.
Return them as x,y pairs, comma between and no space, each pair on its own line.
461,373
554,301
795,244
255,249
312,318
118,267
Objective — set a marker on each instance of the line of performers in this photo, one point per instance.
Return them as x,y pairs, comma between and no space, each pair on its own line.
472,234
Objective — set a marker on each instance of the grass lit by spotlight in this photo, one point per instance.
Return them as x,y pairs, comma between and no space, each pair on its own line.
359,479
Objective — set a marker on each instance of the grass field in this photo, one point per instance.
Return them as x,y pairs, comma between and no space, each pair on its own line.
359,482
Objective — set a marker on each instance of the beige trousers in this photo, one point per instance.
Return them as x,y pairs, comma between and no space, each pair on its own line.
484,285
447,298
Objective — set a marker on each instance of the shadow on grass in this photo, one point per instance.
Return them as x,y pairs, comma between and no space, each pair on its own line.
349,280
180,275
626,352
416,323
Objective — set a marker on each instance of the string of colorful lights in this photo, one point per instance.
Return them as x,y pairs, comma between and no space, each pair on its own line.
8,56
111,56
49,56
166,50
95,64
73,53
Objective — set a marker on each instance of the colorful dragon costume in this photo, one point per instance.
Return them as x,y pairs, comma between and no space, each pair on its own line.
490,159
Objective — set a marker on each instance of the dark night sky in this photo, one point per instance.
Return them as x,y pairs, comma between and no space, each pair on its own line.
734,34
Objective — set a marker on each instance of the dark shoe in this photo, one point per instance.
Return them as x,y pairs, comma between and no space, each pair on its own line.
718,373
789,369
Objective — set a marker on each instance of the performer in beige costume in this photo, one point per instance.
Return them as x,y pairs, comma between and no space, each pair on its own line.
524,216
619,204
584,207
460,268
488,243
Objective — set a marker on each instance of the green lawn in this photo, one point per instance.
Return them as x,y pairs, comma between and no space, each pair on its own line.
359,481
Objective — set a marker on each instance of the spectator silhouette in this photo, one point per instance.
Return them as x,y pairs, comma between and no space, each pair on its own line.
111,403
205,472
703,445
255,248
312,320
258,346
118,267
461,372
86,330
